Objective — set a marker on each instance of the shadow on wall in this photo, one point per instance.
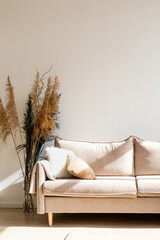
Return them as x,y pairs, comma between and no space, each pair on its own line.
14,178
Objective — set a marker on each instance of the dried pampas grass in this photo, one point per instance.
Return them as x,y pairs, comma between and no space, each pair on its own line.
35,93
11,110
54,97
46,123
45,112
5,129
11,106
39,125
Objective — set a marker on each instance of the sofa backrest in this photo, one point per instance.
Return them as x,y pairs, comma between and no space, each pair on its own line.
147,157
105,158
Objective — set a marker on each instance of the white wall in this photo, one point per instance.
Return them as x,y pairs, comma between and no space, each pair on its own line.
107,56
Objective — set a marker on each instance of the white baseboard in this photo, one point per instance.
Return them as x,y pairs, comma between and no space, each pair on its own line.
11,204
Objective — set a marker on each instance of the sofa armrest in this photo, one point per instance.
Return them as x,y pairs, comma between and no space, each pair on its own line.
41,171
41,178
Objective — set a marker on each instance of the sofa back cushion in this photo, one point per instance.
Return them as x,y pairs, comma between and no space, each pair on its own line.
147,157
57,158
110,158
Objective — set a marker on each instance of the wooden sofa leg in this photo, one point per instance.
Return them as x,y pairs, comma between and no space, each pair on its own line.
50,219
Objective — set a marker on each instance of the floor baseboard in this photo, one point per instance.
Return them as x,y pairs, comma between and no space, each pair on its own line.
11,204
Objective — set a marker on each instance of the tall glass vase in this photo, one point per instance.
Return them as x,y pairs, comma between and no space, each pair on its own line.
28,205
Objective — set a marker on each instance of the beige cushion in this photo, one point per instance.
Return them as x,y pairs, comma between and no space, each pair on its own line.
148,186
101,187
147,157
113,158
79,168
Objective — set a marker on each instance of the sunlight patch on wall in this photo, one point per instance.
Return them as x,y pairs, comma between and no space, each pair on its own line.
14,178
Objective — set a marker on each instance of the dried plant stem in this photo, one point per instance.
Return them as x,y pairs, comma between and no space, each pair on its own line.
20,132
35,152
14,141
42,79
32,205
28,205
36,149
33,144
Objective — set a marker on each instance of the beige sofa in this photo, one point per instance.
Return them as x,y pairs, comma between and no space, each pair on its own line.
127,179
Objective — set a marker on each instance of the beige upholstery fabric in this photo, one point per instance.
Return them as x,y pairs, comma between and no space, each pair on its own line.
47,171
102,205
101,187
148,186
41,171
79,168
147,157
41,177
113,159
114,202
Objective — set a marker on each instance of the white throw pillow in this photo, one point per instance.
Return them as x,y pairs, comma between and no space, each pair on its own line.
57,158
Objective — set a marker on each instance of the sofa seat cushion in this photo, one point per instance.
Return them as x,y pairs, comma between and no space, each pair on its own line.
148,186
101,187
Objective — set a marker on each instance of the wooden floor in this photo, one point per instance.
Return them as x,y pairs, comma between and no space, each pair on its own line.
16,217
11,219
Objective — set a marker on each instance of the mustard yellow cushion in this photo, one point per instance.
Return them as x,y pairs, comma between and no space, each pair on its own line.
79,168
